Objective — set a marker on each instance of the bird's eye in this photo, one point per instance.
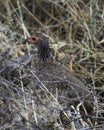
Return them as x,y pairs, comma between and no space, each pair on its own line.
34,39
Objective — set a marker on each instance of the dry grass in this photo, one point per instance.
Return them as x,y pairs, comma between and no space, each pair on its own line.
75,29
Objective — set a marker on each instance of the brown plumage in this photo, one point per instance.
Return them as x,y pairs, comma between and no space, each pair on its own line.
54,75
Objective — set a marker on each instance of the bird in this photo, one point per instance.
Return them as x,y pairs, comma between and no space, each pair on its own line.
55,75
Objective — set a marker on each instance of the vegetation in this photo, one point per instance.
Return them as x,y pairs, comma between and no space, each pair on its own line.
75,29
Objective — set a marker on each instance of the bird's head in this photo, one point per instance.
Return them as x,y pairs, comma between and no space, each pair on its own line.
42,44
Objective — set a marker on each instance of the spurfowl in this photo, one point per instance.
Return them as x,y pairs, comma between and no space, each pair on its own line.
54,75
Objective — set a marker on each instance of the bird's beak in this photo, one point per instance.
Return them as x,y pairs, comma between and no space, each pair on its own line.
26,40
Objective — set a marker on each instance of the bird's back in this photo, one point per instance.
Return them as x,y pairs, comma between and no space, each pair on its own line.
55,75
